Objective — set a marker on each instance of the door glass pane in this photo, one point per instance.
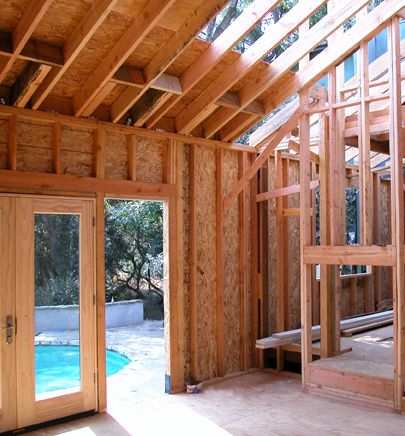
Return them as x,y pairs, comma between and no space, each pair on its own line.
57,313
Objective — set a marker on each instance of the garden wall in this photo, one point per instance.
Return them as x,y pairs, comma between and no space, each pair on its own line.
57,318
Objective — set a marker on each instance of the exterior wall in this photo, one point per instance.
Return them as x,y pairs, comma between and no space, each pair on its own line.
57,318
35,147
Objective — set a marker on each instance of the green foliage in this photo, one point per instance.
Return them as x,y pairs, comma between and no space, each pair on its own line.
134,251
56,259
134,256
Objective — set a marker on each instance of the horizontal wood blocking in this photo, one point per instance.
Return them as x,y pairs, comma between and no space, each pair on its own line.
354,382
54,182
373,255
52,117
282,192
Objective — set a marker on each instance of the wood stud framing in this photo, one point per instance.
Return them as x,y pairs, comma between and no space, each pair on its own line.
150,93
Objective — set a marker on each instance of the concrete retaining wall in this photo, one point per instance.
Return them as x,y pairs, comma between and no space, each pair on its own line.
53,318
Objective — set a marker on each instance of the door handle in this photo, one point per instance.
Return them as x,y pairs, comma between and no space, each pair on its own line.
9,329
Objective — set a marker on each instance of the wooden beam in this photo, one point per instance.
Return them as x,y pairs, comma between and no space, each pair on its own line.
34,50
365,176
28,82
12,143
289,58
217,50
99,153
54,182
96,14
22,32
141,26
305,241
100,304
283,192
269,127
337,207
147,104
196,111
350,40
397,210
252,170
167,54
327,282
350,255
53,117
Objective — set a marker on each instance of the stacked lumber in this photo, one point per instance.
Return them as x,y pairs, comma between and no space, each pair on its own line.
359,322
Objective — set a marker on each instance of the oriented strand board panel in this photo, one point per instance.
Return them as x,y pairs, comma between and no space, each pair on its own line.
149,161
3,144
206,263
385,227
231,267
77,151
272,249
34,147
116,156
186,265
294,249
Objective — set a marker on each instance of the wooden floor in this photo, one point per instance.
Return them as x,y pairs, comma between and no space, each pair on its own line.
372,354
259,403
368,369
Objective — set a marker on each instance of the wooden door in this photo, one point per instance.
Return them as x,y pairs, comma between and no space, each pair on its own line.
8,401
54,300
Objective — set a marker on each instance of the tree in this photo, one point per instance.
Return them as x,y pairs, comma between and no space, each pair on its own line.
56,259
134,251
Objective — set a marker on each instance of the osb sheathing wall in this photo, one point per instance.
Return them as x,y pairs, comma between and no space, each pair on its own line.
35,153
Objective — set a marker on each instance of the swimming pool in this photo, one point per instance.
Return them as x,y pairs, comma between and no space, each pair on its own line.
58,366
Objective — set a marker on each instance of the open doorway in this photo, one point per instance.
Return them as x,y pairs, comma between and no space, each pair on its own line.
136,293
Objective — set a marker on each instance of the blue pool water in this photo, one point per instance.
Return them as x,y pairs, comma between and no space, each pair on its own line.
58,366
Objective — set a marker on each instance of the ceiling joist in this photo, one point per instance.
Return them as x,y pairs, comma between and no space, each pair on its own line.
196,112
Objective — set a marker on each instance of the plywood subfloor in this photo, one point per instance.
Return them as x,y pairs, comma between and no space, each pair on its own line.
259,403
372,354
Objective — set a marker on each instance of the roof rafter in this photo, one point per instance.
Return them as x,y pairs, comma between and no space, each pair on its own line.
141,26
197,111
366,29
23,31
222,45
164,58
275,139
72,47
310,39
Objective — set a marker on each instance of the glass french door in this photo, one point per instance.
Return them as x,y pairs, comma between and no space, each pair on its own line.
47,309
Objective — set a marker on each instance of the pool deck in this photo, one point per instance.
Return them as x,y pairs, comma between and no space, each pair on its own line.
143,344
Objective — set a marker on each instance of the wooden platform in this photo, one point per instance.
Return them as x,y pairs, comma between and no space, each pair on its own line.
367,370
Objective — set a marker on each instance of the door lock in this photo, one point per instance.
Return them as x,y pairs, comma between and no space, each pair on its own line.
9,329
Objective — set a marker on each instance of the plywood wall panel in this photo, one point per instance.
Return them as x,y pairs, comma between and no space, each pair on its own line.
149,161
272,249
186,265
294,250
206,263
116,156
3,144
34,148
231,268
77,151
